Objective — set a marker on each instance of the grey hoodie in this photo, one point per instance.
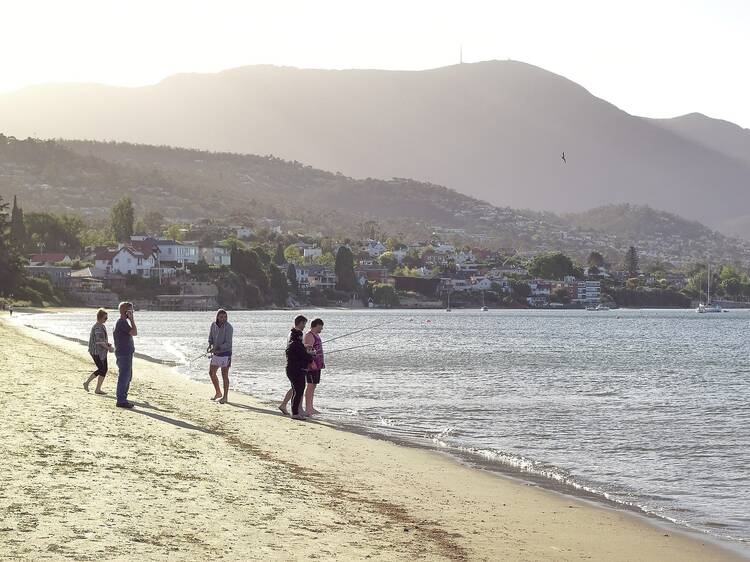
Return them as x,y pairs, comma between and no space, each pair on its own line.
220,337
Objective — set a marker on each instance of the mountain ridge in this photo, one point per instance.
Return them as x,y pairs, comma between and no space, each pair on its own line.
492,130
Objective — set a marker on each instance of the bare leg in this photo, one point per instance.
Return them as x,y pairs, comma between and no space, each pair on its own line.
285,401
215,380
309,394
99,382
86,384
225,380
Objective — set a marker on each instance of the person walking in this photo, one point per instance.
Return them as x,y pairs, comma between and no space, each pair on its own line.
220,347
314,345
297,361
99,346
125,329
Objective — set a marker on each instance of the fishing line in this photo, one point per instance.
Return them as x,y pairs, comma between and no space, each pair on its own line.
360,330
346,349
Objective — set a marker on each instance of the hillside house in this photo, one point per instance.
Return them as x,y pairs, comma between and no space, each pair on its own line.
217,256
178,252
50,258
59,276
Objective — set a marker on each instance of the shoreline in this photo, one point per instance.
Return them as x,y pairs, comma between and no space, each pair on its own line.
474,460
58,309
471,460
685,544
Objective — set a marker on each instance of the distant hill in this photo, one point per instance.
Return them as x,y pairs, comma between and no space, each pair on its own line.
725,138
492,130
635,221
718,135
86,177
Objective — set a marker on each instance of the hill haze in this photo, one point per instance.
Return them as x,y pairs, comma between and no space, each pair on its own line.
492,130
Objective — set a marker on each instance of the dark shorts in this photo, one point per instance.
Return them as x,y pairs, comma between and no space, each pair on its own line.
313,377
101,365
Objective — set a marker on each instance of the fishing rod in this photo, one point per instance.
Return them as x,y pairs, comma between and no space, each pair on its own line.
358,331
346,349
204,354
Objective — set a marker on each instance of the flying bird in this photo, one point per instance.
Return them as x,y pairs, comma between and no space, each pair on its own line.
563,158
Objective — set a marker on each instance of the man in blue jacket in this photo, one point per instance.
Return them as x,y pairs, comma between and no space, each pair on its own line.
125,329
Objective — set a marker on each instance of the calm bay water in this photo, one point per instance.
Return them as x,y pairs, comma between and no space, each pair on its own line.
645,408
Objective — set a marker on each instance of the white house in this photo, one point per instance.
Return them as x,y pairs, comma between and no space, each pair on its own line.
312,253
321,277
173,251
217,256
586,292
399,255
125,260
445,249
460,285
244,232
481,284
375,249
103,260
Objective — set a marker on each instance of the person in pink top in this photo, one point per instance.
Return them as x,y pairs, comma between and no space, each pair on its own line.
314,344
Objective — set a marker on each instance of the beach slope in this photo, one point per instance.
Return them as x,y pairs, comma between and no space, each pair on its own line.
183,478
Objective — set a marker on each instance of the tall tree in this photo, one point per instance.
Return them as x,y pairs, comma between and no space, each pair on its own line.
17,227
279,258
344,268
291,276
54,233
551,266
11,270
595,259
631,261
279,285
122,219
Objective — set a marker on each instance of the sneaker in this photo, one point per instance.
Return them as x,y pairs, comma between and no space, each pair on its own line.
127,405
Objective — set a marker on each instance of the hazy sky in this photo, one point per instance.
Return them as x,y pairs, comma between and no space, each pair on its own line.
657,58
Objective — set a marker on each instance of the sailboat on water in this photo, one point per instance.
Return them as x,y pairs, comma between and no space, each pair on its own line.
707,307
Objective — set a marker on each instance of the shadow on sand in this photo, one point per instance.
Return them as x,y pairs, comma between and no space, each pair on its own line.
178,423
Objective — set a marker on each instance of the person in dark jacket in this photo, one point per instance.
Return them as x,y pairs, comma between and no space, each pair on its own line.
297,361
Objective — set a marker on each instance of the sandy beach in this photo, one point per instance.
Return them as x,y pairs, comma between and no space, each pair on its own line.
183,478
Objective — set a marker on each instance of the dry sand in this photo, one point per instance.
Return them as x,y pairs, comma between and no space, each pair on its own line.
184,478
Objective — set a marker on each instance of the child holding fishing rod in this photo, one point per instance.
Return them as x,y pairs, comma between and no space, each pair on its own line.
314,345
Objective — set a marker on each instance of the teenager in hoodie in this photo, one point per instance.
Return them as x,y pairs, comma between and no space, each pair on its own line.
297,361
